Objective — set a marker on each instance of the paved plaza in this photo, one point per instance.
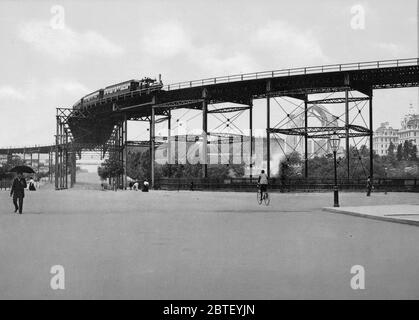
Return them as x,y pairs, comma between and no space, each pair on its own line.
203,245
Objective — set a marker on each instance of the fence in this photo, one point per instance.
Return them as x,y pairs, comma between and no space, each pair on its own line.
5,184
281,185
287,185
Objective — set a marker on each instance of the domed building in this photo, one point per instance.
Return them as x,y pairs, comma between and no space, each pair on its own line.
410,128
409,131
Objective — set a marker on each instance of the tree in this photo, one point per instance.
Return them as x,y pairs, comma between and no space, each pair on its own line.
139,168
406,149
12,161
111,168
414,153
399,155
138,165
390,150
290,167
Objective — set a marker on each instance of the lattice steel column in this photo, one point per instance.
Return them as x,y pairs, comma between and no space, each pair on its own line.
268,135
204,134
39,156
49,166
371,137
72,169
169,141
152,144
251,136
121,152
125,151
305,138
57,142
66,160
347,132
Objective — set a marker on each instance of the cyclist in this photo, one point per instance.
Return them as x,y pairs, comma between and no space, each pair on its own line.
263,184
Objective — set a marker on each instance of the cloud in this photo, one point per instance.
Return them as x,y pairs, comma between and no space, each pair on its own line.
288,44
59,87
275,44
10,93
170,41
65,44
218,62
32,90
166,40
391,49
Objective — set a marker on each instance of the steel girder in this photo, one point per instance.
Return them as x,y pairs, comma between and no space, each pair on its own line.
228,109
324,132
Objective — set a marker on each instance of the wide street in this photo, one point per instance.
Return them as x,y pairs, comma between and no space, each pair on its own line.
203,245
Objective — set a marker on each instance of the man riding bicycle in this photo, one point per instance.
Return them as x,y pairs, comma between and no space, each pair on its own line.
263,183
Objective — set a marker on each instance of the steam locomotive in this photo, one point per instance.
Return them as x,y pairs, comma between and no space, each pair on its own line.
116,90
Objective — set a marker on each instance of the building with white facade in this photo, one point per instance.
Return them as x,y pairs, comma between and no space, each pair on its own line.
383,136
410,128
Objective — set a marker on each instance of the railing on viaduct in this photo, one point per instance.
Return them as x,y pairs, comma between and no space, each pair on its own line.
295,71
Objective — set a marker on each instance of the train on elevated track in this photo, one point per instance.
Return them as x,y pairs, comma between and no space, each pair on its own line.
115,90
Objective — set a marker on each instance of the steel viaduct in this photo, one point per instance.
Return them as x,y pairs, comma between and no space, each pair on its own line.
102,125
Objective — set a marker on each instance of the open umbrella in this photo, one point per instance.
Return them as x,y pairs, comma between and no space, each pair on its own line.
22,169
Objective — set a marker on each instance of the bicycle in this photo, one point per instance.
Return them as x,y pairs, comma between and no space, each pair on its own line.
263,197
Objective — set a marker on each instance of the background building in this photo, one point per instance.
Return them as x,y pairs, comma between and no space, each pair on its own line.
383,136
410,128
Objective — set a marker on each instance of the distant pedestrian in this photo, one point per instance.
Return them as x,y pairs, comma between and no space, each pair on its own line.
369,186
18,192
136,186
146,186
32,185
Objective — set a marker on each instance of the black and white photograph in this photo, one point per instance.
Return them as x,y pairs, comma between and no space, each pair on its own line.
225,152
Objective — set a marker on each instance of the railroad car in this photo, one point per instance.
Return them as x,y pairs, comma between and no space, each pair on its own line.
120,88
117,89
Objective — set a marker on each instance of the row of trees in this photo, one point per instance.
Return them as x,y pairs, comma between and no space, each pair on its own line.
404,151
8,165
13,161
401,162
138,168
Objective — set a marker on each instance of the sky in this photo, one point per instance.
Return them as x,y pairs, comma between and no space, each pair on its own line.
54,52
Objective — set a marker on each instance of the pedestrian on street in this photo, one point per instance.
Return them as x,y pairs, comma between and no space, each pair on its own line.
146,186
32,184
369,186
18,192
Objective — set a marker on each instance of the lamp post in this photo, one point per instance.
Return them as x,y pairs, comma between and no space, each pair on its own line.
334,142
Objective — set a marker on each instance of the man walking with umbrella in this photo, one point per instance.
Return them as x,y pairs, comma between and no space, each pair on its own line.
18,187
18,192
